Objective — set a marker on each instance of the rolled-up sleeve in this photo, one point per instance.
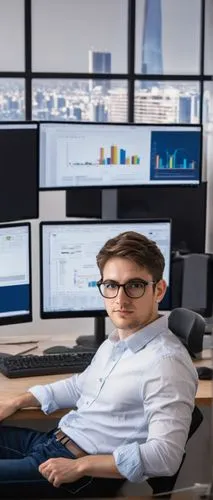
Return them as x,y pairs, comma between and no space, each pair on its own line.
129,463
168,399
61,394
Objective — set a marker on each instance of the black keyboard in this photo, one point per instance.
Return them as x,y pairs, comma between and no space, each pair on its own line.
48,364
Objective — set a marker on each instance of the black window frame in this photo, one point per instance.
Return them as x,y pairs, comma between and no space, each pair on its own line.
130,77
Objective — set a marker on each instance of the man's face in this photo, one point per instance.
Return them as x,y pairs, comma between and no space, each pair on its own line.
131,314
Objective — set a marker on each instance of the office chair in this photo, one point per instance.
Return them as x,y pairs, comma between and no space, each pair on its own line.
189,327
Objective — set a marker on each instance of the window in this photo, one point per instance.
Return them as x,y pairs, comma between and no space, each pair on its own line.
84,60
12,35
208,67
168,36
78,99
12,99
167,102
79,36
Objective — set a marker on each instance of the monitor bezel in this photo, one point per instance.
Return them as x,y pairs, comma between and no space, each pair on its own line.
25,124
21,318
94,312
124,124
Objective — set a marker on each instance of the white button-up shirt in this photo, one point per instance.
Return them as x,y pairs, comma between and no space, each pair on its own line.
134,401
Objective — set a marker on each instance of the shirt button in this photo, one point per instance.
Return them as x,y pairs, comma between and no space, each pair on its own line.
100,379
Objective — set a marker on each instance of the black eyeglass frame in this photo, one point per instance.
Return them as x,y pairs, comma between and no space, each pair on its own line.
124,286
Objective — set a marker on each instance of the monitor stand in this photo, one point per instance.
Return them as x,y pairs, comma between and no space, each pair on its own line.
108,212
95,340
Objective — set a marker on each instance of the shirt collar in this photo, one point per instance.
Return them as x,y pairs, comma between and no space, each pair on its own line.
142,337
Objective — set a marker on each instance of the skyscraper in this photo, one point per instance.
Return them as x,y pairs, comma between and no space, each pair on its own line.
185,109
152,59
100,62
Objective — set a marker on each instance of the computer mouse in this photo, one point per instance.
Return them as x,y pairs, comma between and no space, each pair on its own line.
57,349
83,348
205,373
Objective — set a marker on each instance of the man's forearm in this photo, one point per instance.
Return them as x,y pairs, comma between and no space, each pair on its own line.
25,400
9,407
99,466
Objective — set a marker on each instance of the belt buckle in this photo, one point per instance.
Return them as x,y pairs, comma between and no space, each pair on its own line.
57,432
63,438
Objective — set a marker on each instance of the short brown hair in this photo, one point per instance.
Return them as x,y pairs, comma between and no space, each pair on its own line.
136,247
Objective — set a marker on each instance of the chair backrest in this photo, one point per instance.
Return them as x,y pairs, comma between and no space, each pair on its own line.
189,327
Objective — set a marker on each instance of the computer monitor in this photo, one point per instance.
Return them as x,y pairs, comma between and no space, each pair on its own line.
69,272
74,155
188,226
185,205
15,274
19,171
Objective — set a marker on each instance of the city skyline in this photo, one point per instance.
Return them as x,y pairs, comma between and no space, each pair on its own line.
77,100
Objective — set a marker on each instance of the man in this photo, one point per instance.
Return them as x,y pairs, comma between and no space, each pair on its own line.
134,402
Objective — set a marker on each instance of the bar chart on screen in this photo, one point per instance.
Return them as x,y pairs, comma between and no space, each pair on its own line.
175,155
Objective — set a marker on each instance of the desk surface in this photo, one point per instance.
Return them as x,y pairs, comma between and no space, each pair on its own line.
13,387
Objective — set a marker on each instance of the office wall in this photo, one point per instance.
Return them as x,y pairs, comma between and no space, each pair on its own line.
208,163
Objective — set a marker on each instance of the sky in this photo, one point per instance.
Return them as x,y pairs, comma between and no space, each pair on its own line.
63,32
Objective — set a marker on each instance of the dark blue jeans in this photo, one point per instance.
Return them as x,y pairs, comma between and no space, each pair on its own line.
23,450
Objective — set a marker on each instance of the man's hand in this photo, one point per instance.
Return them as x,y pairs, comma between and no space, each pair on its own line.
67,470
60,470
10,406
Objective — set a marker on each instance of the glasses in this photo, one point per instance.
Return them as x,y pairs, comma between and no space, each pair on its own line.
133,288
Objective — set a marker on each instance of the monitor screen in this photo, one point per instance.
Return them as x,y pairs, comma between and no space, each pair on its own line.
15,274
19,171
69,272
111,155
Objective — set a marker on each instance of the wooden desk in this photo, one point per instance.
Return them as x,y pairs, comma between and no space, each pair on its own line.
10,388
204,396
13,387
